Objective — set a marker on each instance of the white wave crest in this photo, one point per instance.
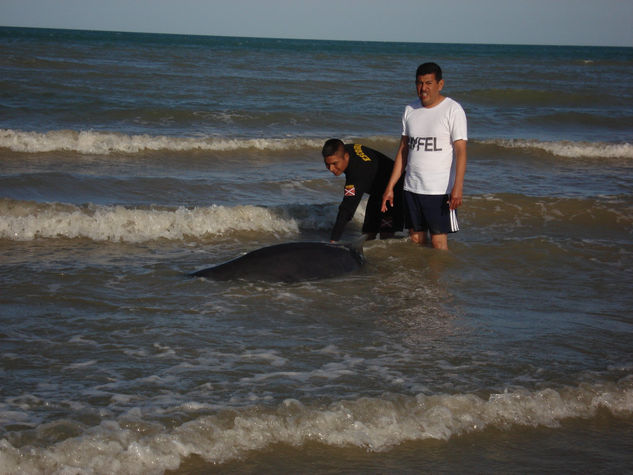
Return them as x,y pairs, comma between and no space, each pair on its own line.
25,221
569,149
140,446
105,143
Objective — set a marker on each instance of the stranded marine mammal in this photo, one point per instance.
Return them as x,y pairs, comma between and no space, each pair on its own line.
290,262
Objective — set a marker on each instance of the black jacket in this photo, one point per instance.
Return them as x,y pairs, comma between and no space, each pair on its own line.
368,172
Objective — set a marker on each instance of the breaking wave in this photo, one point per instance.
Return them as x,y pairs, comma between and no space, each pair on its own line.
29,220
567,149
105,143
26,220
132,444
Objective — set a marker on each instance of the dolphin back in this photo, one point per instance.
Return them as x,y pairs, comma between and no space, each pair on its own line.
290,262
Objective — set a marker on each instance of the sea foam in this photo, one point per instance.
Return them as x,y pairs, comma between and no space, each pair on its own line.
121,224
131,444
568,149
105,143
26,220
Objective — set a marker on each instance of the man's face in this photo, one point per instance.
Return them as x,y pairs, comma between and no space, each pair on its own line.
429,89
338,162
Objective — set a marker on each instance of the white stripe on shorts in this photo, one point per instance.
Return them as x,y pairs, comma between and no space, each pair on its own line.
454,224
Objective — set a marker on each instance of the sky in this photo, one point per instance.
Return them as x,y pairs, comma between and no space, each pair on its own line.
547,22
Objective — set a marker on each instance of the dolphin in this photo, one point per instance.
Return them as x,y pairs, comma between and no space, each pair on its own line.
290,262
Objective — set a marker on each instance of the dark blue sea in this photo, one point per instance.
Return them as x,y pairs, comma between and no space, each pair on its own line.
129,160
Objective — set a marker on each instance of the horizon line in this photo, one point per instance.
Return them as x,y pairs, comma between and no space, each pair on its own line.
566,45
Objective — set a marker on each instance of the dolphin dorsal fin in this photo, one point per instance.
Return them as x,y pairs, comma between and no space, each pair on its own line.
357,244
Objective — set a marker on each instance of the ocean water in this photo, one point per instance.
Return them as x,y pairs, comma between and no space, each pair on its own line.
129,160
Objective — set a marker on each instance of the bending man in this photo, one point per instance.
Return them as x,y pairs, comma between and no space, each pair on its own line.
366,171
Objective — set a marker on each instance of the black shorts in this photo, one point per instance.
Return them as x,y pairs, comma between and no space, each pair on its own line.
430,213
390,221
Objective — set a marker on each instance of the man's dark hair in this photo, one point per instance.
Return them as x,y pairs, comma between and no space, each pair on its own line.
331,147
429,68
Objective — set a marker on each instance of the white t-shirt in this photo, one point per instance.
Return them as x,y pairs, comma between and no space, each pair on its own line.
432,131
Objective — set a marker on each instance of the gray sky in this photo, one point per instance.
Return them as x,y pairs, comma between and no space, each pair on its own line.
557,22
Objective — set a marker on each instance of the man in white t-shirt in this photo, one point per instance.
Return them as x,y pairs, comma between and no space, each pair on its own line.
432,153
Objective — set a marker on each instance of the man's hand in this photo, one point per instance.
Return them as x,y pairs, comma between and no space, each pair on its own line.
456,200
387,197
457,192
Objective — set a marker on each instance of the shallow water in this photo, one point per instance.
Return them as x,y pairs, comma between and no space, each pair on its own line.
511,352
